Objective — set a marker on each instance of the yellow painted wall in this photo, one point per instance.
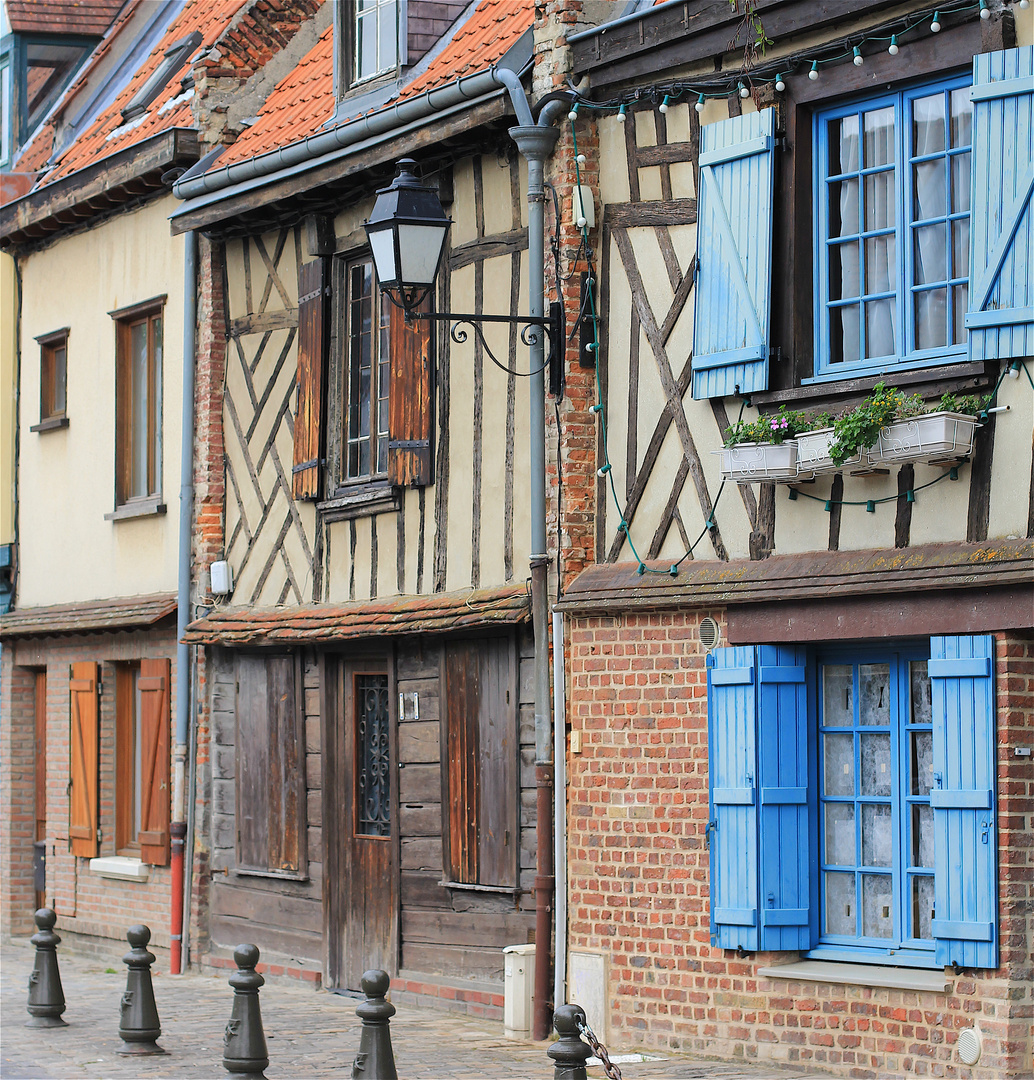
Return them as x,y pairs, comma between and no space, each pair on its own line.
67,551
8,390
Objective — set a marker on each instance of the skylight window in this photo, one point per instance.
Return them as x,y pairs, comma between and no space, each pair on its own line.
176,55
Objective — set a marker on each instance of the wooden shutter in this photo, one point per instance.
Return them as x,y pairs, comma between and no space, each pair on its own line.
83,752
154,762
308,420
784,849
965,924
410,402
498,839
733,825
734,255
462,698
1000,320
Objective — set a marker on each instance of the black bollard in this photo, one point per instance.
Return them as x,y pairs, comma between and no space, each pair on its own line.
46,998
375,1060
139,1026
244,1043
569,1053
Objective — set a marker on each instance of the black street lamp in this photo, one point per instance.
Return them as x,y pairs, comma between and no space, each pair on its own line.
407,232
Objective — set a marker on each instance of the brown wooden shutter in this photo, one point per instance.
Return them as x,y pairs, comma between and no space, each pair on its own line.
83,752
462,700
410,403
308,421
154,762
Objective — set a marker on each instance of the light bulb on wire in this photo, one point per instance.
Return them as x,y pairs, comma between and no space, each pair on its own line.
893,50
699,106
985,11
814,73
935,26
622,114
744,92
780,85
663,107
858,60
573,114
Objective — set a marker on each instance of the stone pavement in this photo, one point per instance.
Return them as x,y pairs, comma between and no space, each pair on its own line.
310,1033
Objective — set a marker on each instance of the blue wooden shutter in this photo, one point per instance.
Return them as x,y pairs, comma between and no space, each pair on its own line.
1000,320
965,923
734,255
783,786
732,828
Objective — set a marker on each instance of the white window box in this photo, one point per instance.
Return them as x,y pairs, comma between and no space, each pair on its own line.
748,462
813,453
120,867
940,436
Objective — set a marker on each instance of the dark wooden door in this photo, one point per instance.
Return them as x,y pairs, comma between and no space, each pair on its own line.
362,891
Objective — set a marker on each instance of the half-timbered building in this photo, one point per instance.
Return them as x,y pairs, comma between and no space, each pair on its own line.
799,700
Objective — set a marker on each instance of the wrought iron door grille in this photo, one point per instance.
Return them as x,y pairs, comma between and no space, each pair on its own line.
373,773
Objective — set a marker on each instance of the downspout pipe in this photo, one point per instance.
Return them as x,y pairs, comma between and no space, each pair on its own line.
535,143
178,826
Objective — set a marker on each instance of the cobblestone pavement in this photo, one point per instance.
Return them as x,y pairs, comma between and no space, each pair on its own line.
310,1033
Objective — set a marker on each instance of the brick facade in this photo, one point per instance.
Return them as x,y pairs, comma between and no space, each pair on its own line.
639,888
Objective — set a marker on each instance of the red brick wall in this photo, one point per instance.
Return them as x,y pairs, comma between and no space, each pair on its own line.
638,880
91,910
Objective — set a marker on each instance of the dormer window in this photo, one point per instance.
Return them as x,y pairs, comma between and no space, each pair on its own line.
176,55
375,38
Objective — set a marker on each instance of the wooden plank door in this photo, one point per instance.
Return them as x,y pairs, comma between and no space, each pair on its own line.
362,890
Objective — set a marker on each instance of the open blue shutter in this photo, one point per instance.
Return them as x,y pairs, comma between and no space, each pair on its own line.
732,828
1000,320
965,923
734,255
783,786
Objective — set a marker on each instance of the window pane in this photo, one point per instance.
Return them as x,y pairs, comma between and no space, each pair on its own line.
877,835
879,201
844,274
921,767
874,694
877,906
840,834
841,914
960,183
881,267
875,754
931,315
930,248
138,411
922,836
961,117
928,125
919,684
960,248
931,189
59,380
960,301
843,145
843,207
922,907
838,758
844,343
880,328
879,137
837,686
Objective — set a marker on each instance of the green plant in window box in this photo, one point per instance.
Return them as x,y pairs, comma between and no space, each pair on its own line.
775,428
860,427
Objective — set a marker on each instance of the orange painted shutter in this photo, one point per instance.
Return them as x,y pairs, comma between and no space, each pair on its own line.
154,762
308,421
410,403
83,753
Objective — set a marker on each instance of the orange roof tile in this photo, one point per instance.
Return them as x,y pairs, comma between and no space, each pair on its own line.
90,17
170,108
304,101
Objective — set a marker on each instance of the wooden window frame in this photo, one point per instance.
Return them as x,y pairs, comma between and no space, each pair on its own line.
150,313
53,388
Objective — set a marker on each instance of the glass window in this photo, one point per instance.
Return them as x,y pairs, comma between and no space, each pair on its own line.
53,374
366,375
375,38
876,824
893,229
138,407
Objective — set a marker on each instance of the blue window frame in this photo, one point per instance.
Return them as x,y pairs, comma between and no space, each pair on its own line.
892,177
875,823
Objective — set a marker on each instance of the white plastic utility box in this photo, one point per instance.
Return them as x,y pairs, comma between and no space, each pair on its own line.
518,982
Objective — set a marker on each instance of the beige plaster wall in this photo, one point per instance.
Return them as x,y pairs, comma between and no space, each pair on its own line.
68,552
8,392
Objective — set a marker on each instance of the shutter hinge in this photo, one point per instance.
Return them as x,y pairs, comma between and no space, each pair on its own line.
100,688
311,464
310,296
100,834
408,444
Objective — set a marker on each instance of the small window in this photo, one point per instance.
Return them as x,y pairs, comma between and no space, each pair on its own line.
375,38
366,373
6,114
138,403
176,55
53,375
893,182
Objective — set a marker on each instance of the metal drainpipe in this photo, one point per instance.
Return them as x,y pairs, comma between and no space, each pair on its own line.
535,143
178,827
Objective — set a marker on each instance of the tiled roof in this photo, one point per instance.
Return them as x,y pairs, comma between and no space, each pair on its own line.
304,101
90,615
169,109
90,17
437,613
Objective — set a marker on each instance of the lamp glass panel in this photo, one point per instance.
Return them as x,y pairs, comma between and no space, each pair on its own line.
382,247
419,249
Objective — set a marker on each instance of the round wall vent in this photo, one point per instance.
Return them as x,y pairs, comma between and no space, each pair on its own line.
969,1046
710,633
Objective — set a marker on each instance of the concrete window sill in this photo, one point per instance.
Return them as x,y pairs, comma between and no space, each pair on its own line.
120,867
892,978
135,508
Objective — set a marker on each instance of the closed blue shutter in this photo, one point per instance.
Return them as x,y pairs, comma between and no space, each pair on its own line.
734,255
1001,286
965,923
783,786
732,829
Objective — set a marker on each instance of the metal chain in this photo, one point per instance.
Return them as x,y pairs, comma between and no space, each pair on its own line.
612,1071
